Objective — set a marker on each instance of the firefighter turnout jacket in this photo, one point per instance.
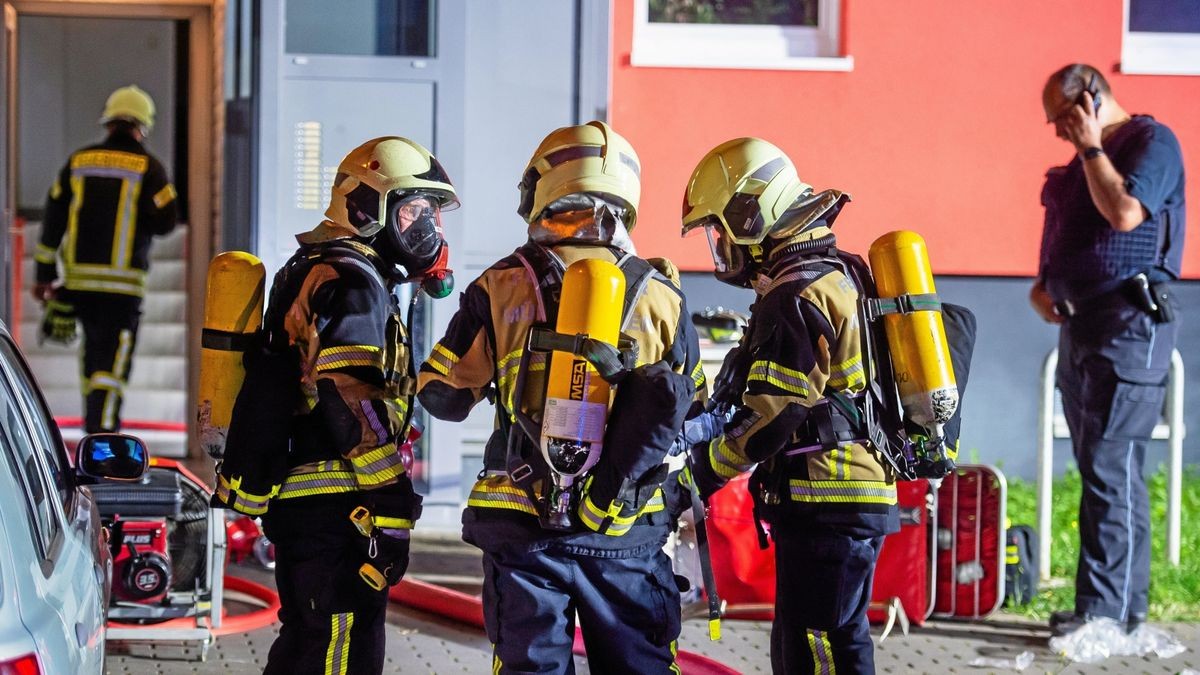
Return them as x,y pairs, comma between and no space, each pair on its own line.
332,313
103,209
484,347
800,352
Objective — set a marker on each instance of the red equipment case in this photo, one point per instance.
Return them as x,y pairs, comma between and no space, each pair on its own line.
970,542
904,570
744,573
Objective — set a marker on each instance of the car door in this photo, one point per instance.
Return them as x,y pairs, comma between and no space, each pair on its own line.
70,618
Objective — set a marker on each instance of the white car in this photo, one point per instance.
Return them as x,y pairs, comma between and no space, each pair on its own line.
55,565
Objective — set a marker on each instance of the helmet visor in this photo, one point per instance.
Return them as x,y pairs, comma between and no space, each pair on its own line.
720,244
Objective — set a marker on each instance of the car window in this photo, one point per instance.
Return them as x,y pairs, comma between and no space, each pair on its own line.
21,452
49,443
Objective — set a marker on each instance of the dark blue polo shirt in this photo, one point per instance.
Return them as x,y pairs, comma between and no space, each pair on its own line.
1081,254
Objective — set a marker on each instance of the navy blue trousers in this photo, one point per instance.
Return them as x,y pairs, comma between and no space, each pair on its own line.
1112,367
822,590
628,611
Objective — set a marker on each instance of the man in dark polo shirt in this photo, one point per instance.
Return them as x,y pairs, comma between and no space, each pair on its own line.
1113,240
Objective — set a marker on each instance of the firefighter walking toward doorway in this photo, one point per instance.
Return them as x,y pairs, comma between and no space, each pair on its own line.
593,549
104,208
317,437
828,495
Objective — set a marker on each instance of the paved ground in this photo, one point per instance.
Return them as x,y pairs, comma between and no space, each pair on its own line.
424,643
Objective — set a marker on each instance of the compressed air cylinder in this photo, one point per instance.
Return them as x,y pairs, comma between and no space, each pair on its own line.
577,398
916,339
233,307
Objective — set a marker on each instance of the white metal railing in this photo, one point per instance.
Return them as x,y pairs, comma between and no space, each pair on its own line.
1052,426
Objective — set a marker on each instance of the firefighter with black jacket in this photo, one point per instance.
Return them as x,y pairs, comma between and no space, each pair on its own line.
318,429
103,209
579,196
828,495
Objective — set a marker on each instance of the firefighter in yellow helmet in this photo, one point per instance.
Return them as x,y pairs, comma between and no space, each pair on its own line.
579,197
316,442
828,495
105,206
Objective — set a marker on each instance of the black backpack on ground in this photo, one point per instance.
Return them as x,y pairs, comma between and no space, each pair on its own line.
1021,565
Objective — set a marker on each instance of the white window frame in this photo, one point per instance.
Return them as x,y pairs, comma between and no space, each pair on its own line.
1145,53
756,47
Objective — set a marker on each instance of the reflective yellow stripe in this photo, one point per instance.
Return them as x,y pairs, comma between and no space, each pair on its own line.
73,219
113,160
848,374
674,667
822,651
124,344
56,189
496,664
230,492
725,462
791,381
129,230
593,516
164,196
337,657
839,462
44,254
392,523
332,358
322,478
497,492
105,279
842,491
378,466
698,375
442,359
121,228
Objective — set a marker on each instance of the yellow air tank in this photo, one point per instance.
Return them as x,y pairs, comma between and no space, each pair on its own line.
233,307
916,338
577,398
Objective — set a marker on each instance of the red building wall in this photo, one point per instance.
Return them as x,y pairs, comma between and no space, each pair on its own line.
939,127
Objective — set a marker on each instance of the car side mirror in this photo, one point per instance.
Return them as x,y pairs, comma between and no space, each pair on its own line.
112,456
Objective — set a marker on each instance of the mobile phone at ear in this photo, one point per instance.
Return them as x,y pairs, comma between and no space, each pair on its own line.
1094,90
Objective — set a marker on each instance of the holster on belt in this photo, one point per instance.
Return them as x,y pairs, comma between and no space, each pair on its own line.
1152,298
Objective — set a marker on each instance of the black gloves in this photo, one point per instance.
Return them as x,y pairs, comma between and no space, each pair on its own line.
58,323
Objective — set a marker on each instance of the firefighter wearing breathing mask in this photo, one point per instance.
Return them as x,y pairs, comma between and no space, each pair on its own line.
600,556
329,469
829,498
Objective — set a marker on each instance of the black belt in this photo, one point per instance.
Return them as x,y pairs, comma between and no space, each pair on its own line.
1125,289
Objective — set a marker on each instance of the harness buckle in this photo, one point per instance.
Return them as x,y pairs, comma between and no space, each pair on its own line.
520,473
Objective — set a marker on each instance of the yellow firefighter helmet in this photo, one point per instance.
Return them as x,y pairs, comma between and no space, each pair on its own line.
585,158
739,193
129,103
370,182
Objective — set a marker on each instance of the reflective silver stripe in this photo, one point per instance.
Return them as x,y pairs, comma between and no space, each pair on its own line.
105,172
